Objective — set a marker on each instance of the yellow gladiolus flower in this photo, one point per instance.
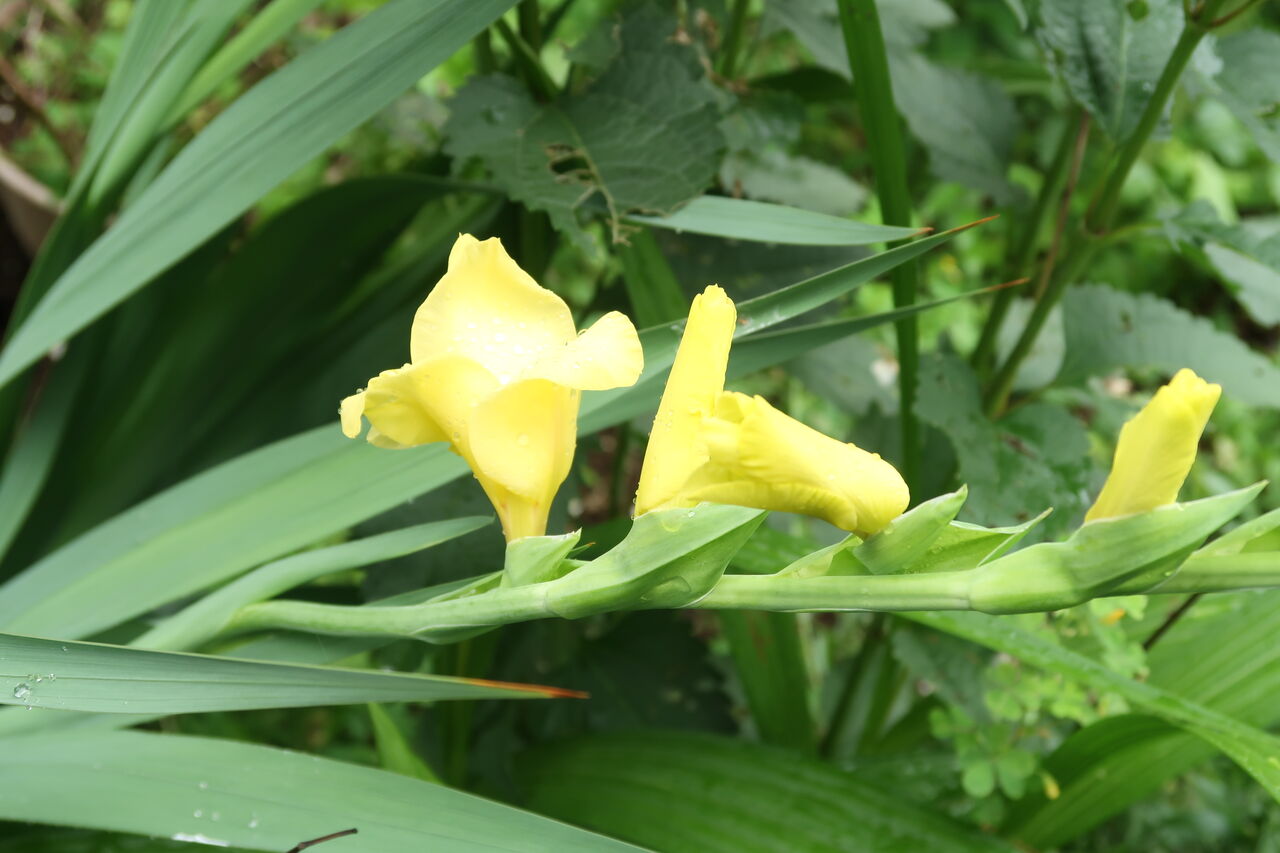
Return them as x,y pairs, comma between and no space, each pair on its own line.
723,447
1157,448
496,369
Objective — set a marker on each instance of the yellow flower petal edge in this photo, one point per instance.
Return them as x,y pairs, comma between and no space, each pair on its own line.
697,377
1157,448
724,447
496,369
760,457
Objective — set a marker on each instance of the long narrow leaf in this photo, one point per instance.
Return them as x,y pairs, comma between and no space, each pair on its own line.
223,793
72,676
260,140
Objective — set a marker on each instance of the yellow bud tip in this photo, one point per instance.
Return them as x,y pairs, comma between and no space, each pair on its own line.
1157,448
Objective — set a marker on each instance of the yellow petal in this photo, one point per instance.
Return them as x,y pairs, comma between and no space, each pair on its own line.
607,355
421,403
697,377
1157,448
350,411
760,457
522,439
489,310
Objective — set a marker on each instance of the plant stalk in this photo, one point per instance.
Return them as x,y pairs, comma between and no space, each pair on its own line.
1024,250
873,92
732,45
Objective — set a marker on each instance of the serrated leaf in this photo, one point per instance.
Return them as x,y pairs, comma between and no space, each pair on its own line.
1248,82
942,105
1106,329
1032,459
644,136
1108,59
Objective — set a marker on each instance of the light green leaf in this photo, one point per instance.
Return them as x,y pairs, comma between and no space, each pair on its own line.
773,175
772,223
1106,329
214,526
1223,654
1254,750
257,142
223,793
1248,82
717,794
73,676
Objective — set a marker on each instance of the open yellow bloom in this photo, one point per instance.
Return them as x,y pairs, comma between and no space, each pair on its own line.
496,369
723,447
1157,448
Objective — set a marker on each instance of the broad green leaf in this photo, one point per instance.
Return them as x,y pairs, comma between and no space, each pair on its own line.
1106,329
773,175
1254,750
1110,53
214,526
943,104
772,223
223,793
1246,256
1256,282
1035,458
71,676
1247,81
644,136
257,142
717,794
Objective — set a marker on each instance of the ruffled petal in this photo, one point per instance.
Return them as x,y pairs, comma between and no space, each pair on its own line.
697,377
1157,448
607,355
489,310
760,457
422,403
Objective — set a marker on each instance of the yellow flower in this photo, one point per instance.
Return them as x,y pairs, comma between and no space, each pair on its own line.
723,447
1156,448
496,369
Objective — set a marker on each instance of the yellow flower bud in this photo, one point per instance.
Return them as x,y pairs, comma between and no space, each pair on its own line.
496,369
724,447
1157,448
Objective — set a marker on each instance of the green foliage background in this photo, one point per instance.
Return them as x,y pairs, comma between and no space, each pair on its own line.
253,198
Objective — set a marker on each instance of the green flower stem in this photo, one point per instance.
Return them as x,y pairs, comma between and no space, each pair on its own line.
873,91
528,62
1024,250
1078,258
937,591
733,39
496,607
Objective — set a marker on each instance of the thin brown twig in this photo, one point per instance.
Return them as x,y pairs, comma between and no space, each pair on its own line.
33,106
1232,15
330,837
1170,621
